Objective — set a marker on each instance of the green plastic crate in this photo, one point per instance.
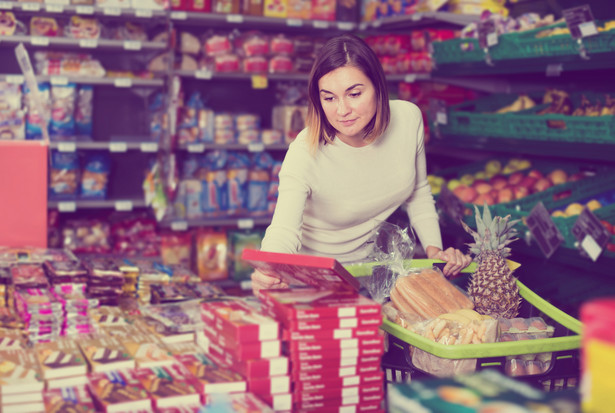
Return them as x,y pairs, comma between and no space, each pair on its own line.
457,51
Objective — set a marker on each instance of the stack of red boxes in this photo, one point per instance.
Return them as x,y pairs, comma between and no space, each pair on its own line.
331,333
244,340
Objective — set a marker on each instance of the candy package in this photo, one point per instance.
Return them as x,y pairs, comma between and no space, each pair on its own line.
212,254
175,248
60,272
87,236
95,176
63,175
44,26
84,107
83,28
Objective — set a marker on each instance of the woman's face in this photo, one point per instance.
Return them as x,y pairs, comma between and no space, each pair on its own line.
348,99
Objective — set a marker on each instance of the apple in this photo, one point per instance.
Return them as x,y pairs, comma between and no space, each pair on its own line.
523,164
610,247
453,183
574,209
542,184
493,167
536,174
481,199
498,181
505,195
593,204
515,178
528,182
482,187
480,175
558,176
520,191
558,213
467,179
465,193
577,176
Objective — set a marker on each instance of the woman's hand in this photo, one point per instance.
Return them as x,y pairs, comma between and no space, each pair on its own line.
454,258
262,281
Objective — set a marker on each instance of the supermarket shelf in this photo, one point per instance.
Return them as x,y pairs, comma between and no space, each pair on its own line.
419,19
117,204
120,82
572,150
87,44
51,9
115,146
253,147
209,75
256,22
236,222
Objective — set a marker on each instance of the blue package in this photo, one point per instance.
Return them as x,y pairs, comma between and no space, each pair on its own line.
34,120
262,160
62,122
83,110
63,175
95,176
237,185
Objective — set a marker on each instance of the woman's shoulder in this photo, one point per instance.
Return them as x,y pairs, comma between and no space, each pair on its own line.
404,107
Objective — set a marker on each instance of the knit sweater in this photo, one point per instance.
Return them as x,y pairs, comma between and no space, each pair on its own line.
330,202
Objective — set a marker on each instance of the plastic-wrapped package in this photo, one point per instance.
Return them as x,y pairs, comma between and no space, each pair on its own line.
83,28
217,44
87,236
67,64
215,198
29,276
34,119
129,31
237,180
60,272
62,122
281,64
212,255
84,107
44,26
95,176
64,175
252,43
175,248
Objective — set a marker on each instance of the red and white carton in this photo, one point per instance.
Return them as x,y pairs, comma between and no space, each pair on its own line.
269,385
336,372
298,269
309,366
250,369
349,381
334,345
279,402
337,334
324,407
240,322
360,394
244,351
334,323
212,378
318,303
332,355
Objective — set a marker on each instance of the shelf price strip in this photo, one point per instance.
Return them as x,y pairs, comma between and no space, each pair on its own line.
590,234
544,230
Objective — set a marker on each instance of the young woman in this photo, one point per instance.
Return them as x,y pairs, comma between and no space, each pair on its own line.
360,158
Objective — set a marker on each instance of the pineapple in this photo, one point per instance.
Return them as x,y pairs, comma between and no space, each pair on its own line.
493,288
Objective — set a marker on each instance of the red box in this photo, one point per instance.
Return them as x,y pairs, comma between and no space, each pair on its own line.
348,381
311,366
333,345
334,323
269,385
244,351
337,334
298,269
239,322
323,407
210,377
345,395
336,372
316,304
331,356
367,399
250,369
279,401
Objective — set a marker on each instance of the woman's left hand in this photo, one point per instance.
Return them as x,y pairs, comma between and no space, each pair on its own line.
455,261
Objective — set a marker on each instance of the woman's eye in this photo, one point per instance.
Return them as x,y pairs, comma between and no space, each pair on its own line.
355,95
327,99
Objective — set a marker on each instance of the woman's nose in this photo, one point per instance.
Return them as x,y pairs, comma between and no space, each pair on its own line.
342,107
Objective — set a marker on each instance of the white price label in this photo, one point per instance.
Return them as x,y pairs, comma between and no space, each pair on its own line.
320,24
118,147
588,29
58,80
144,13
122,82
203,74
54,8
345,25
410,78
123,205
492,39
196,148
442,118
179,225
294,22
84,10
132,45
39,41
234,18
112,11
67,146
363,26
179,15
256,147
245,223
31,7
415,17
88,43
554,69
149,147
67,206
591,247
376,24
6,5
14,79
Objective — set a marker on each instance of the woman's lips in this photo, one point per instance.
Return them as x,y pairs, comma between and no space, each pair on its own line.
347,122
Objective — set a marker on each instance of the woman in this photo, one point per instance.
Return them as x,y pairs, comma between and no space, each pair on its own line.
360,158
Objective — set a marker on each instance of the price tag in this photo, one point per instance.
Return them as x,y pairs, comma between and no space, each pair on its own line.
543,230
39,41
88,43
294,22
487,34
58,80
437,109
259,82
590,233
179,15
149,147
84,10
123,205
415,17
6,5
410,78
67,206
118,147
245,223
345,25
144,13
67,146
54,8
451,205
132,45
196,148
442,118
256,147
376,24
112,11
234,18
363,26
179,225
580,21
14,79
320,24
554,69
31,7
122,82
203,74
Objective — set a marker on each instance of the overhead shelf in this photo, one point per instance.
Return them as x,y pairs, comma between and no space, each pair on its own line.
252,147
209,75
416,20
81,44
115,146
79,204
120,82
58,7
236,222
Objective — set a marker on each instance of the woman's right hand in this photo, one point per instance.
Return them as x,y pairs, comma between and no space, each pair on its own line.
262,281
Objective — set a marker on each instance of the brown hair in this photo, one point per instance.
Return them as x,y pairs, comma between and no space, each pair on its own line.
341,51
